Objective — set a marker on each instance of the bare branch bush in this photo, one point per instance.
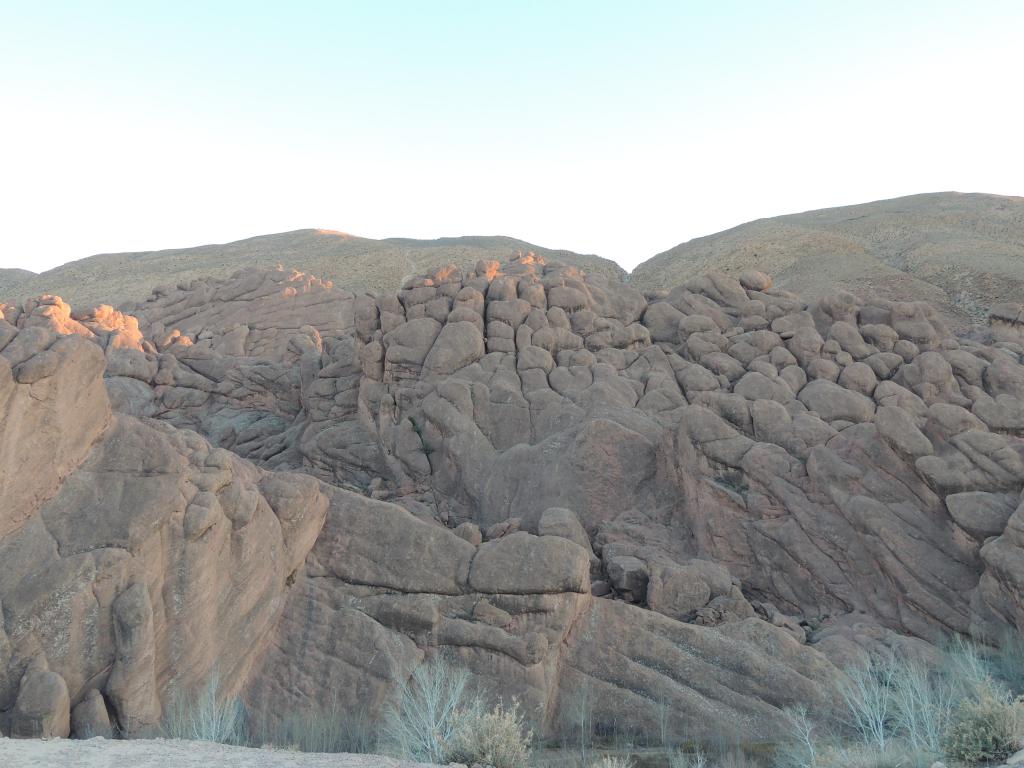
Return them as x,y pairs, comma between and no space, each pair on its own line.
206,715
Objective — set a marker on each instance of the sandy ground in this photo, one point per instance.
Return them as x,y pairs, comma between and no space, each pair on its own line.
164,753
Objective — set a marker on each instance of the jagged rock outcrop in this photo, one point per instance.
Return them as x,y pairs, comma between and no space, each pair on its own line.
702,499
517,611
49,419
156,559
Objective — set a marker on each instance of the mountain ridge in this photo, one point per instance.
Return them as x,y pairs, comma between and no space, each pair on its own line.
962,252
357,263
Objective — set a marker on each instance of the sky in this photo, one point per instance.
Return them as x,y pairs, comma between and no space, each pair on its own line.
614,128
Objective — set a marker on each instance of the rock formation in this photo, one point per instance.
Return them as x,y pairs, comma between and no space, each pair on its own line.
702,501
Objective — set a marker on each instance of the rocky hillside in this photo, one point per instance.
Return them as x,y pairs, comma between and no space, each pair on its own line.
960,252
355,263
688,508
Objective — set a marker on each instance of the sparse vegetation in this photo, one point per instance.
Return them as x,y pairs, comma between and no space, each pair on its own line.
866,692
1007,662
206,715
732,480
679,759
209,714
984,728
434,718
496,738
612,761
581,709
900,710
330,729
422,720
802,749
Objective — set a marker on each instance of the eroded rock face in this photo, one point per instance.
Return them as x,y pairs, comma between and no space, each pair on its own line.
159,560
517,611
154,560
533,470
53,405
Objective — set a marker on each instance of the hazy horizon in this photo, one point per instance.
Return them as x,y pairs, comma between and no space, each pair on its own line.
581,127
327,230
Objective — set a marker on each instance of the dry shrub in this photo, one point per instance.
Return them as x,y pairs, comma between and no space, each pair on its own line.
495,738
867,756
206,715
735,758
435,719
679,759
319,730
612,761
422,720
985,728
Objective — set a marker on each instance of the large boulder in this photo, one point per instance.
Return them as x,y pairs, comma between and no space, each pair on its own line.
834,403
677,591
523,564
43,708
90,718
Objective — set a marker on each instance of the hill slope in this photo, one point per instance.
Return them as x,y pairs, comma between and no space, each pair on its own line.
356,263
10,277
962,252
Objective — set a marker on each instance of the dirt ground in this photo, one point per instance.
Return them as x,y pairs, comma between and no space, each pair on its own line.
164,753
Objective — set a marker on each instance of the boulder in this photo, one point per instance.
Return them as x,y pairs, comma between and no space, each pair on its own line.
677,591
457,345
520,563
755,281
832,402
470,532
43,708
558,521
980,513
132,686
89,717
629,575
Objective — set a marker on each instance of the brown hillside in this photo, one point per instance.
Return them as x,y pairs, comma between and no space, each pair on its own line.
356,263
10,277
962,252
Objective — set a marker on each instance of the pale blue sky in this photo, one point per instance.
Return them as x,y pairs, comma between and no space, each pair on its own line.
608,127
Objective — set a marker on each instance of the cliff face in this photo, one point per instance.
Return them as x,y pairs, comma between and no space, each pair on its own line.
698,500
138,559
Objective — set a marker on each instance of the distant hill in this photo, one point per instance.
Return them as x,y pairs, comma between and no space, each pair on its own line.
356,263
10,277
962,252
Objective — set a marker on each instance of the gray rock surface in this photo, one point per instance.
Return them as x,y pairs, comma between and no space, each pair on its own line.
559,482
